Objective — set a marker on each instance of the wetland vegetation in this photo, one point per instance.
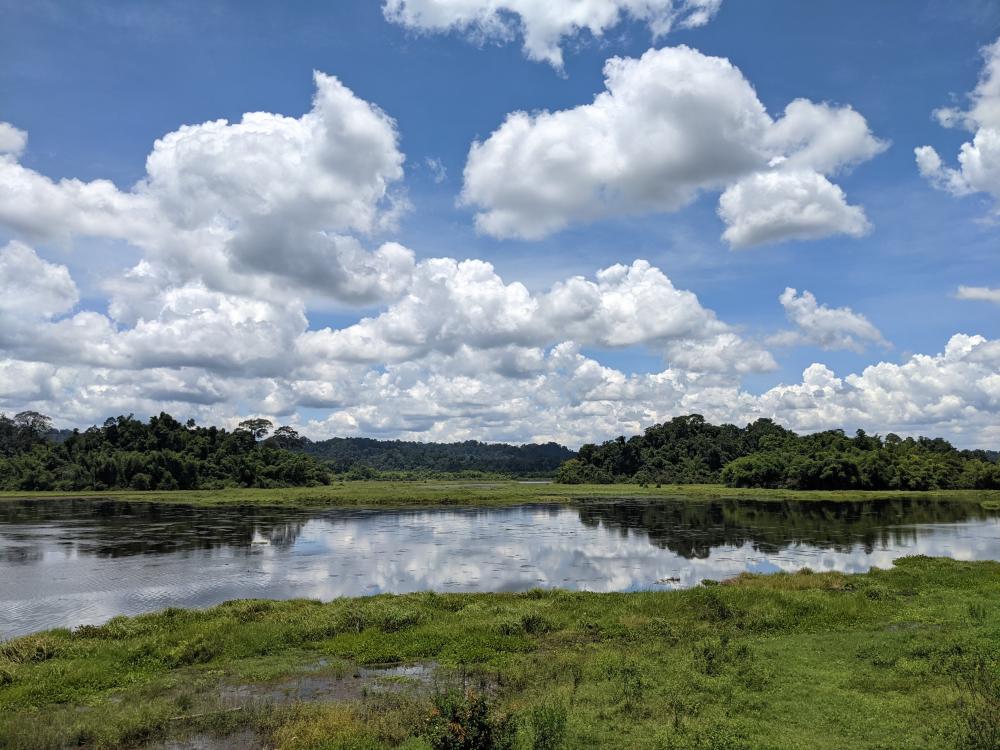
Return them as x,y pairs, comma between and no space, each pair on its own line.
899,658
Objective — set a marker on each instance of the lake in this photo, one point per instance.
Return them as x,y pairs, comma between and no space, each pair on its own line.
72,562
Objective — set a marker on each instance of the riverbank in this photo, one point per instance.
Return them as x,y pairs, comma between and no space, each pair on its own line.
485,493
899,658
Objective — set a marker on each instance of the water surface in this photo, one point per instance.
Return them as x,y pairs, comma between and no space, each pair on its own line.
67,563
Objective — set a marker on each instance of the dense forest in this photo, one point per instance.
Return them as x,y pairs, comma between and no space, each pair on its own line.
162,454
367,456
689,450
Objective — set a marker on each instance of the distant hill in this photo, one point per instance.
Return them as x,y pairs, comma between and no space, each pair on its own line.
345,454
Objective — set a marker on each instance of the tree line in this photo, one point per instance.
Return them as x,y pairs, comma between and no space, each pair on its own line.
369,457
164,454
689,450
161,454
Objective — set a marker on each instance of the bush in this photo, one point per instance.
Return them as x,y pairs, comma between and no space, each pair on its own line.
468,722
141,482
197,651
32,648
575,471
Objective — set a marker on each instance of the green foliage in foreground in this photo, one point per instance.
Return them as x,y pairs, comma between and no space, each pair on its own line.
764,454
901,658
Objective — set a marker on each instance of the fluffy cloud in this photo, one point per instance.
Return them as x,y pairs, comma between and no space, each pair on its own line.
452,305
979,159
668,126
465,355
185,326
334,162
243,227
12,140
778,206
31,287
40,208
981,293
956,393
543,25
462,310
261,206
826,327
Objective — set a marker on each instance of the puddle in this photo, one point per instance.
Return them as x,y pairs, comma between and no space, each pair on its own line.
245,740
314,688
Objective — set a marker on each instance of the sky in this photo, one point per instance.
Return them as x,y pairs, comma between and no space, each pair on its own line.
503,219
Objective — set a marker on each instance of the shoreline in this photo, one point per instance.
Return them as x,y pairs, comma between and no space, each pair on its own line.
500,493
824,656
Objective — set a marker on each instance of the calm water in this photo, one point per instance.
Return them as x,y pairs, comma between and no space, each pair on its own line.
70,563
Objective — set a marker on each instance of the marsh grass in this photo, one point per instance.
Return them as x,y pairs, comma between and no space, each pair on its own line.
818,660
488,493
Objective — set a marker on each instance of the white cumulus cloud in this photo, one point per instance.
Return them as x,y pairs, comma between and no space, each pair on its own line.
782,205
826,327
980,293
12,140
955,393
668,126
543,25
978,169
453,304
260,206
31,287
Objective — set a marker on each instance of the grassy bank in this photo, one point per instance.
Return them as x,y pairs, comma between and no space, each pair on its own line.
904,658
485,493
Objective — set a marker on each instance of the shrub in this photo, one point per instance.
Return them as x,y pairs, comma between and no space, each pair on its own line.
467,722
196,651
31,648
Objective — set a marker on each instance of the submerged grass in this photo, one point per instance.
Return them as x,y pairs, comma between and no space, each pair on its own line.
487,493
900,658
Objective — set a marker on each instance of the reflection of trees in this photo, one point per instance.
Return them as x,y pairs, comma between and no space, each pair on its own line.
112,528
694,529
20,555
691,530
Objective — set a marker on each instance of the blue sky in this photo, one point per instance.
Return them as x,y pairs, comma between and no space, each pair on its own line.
95,84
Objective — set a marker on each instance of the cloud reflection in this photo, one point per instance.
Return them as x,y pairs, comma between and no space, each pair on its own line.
65,565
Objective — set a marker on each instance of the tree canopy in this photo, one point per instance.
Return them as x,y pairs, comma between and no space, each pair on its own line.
161,454
689,450
365,454
164,454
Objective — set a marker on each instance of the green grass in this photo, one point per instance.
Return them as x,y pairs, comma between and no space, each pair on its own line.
483,493
818,661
